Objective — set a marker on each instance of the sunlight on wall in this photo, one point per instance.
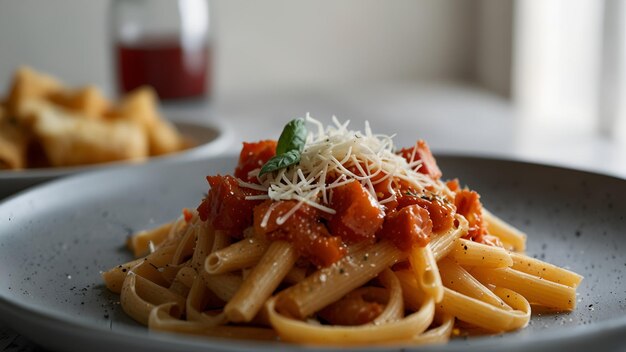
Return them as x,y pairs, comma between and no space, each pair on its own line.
557,62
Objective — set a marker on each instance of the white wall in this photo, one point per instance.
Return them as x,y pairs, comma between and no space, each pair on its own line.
64,37
494,44
557,61
281,43
260,45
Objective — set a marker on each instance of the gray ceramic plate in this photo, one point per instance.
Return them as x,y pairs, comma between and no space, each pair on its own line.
56,238
211,139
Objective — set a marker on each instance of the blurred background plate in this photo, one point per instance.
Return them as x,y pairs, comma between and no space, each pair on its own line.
209,139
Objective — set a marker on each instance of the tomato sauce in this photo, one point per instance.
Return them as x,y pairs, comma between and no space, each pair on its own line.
226,206
440,211
303,228
407,227
187,215
358,217
468,204
253,156
351,311
407,218
420,151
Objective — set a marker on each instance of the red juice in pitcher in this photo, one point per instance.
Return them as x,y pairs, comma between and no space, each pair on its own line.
173,70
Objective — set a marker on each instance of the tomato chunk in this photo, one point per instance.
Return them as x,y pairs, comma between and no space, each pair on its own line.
468,204
407,227
226,206
254,156
387,190
187,214
421,151
490,240
358,216
302,228
351,311
440,211
323,250
453,185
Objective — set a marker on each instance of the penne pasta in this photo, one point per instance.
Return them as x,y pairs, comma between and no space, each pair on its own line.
185,246
545,270
140,242
472,310
183,281
314,293
426,272
197,300
435,336
295,275
294,330
139,296
161,319
237,256
442,244
458,279
224,286
535,289
509,235
470,253
486,316
412,293
221,241
394,309
204,242
261,282
114,277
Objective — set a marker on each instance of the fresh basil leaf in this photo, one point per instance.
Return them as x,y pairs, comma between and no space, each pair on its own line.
293,137
290,146
281,161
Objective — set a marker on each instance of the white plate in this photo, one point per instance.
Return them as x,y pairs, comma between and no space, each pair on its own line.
211,139
56,238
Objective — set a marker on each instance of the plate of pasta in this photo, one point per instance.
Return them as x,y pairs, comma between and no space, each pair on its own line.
325,237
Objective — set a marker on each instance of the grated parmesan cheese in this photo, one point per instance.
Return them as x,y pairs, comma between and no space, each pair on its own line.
342,155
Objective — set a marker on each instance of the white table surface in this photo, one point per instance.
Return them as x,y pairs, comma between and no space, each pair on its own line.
452,118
